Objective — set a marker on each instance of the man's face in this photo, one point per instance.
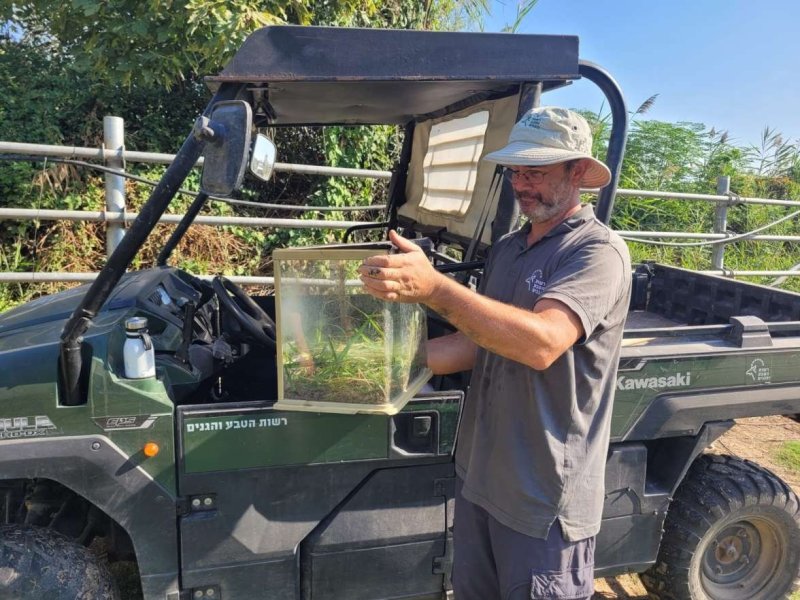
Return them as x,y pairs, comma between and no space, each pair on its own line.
543,193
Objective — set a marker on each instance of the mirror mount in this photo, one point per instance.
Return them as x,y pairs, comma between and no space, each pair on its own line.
203,130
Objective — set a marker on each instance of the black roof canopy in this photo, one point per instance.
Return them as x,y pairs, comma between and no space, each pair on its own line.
318,75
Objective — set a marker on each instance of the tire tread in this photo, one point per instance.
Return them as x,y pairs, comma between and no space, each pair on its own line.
40,563
714,486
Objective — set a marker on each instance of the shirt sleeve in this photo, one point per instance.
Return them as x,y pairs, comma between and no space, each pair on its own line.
590,282
487,269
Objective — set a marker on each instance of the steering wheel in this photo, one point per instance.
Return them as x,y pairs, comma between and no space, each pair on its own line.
255,323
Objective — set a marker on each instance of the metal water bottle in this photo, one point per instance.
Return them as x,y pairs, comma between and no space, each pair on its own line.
140,358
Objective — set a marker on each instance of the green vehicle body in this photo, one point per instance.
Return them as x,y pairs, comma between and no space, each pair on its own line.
244,501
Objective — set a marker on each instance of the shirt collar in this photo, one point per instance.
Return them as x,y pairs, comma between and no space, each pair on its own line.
571,223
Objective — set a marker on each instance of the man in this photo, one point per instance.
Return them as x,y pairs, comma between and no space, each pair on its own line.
542,337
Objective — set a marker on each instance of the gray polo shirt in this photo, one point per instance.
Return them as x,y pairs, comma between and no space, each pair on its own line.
532,444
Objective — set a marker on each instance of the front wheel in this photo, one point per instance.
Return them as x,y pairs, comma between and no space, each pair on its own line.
40,563
732,533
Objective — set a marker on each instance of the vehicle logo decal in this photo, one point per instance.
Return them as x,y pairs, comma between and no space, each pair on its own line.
228,424
26,427
654,383
125,422
759,371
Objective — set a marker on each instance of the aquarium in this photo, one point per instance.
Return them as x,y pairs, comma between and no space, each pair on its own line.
340,349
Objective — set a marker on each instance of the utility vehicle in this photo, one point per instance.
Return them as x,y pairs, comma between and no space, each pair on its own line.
213,493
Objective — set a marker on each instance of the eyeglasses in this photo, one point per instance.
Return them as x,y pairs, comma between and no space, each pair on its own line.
529,175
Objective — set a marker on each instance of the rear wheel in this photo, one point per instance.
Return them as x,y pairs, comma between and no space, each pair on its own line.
40,563
732,533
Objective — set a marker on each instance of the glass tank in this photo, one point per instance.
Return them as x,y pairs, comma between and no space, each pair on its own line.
340,349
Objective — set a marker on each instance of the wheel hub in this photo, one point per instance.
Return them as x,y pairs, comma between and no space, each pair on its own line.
732,554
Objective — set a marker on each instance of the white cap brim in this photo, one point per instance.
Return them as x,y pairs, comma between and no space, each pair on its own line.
524,154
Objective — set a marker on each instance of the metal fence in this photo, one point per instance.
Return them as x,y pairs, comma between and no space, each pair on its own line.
114,155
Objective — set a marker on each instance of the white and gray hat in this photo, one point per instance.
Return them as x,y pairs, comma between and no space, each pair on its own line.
549,135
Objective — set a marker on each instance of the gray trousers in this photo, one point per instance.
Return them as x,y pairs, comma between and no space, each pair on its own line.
493,562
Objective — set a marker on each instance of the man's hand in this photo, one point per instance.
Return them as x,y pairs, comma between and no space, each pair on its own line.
405,277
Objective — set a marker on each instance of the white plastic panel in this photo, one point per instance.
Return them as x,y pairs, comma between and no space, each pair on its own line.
450,166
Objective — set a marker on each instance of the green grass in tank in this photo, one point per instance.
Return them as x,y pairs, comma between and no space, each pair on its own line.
354,360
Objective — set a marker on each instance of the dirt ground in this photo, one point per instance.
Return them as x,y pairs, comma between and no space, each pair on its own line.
755,439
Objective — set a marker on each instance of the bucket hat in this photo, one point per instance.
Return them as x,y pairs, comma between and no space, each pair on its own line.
548,135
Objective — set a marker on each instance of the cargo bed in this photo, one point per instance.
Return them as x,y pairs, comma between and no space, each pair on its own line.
671,305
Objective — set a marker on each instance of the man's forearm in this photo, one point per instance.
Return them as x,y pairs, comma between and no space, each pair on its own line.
532,338
451,354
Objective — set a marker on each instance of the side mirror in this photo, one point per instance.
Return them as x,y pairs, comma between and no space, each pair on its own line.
228,132
262,161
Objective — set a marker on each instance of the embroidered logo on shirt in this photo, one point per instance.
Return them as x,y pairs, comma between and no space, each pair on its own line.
535,283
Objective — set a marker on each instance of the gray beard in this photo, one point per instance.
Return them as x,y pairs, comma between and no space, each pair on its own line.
542,213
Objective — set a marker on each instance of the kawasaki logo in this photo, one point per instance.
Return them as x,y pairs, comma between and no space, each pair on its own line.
654,383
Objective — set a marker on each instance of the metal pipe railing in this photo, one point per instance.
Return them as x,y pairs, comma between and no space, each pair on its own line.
129,217
114,154
106,154
679,235
114,138
64,276
721,221
756,273
732,198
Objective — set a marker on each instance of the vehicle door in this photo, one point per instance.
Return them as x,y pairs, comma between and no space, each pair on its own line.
279,504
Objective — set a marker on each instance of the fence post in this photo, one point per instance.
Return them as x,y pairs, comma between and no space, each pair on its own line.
114,141
721,220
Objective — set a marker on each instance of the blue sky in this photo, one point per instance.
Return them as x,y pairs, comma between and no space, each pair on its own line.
730,64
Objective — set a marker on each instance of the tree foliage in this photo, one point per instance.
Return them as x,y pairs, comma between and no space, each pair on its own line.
149,42
660,152
65,66
688,157
165,43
